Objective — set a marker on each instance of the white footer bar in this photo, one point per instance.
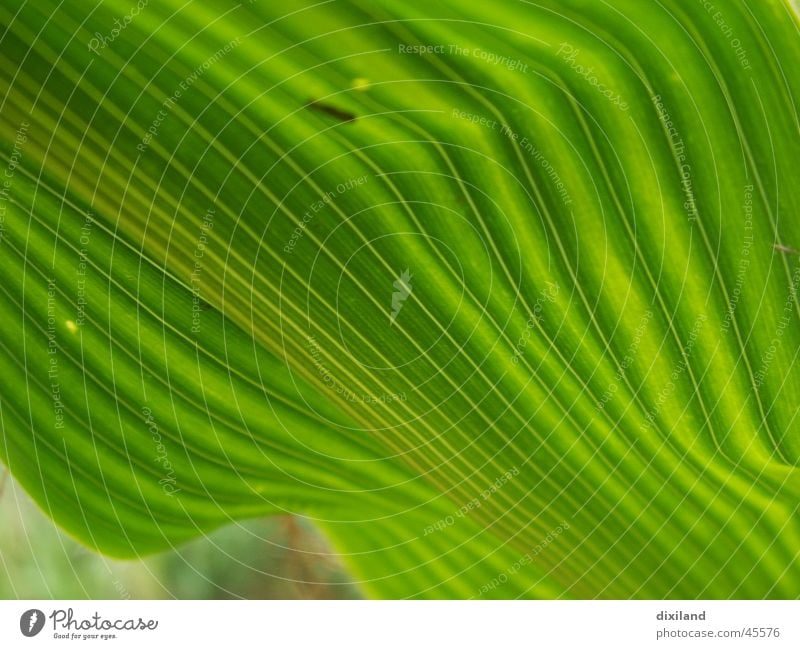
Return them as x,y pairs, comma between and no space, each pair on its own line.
399,625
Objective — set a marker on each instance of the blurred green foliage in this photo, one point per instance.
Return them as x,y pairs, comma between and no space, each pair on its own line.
276,558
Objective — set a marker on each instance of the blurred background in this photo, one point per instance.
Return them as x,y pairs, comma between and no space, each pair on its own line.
281,557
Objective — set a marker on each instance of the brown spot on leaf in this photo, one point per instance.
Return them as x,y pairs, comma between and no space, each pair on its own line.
779,247
331,111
